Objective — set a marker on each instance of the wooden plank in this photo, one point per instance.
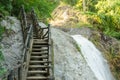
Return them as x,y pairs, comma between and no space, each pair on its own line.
40,62
36,78
37,72
38,66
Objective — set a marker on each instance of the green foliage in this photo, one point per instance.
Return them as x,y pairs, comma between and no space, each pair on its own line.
1,31
89,5
5,7
43,8
2,69
1,55
79,5
109,7
70,2
109,13
104,15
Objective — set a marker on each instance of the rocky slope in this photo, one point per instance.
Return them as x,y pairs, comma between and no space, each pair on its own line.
11,44
110,47
69,62
73,22
66,16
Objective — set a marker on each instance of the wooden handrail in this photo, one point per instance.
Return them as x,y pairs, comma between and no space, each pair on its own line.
27,35
26,48
27,32
51,47
23,22
35,22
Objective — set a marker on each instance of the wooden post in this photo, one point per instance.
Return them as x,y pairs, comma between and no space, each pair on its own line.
48,46
19,73
10,76
84,5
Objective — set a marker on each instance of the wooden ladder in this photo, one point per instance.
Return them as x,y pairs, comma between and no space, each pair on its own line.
39,64
35,64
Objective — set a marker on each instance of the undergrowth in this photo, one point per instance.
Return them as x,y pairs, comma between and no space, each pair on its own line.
1,31
2,69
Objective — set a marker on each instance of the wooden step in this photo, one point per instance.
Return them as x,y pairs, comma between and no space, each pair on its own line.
37,78
45,39
39,40
35,38
39,46
40,43
39,62
45,49
39,53
38,50
39,57
38,66
37,72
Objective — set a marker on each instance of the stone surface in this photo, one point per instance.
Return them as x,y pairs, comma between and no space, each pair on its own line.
12,43
69,62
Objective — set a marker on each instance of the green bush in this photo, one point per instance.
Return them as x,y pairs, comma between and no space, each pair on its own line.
5,7
70,2
103,15
2,70
43,8
1,31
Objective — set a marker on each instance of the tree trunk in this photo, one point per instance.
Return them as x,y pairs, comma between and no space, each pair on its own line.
84,5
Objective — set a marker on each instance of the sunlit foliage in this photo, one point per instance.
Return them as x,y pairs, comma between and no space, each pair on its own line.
105,15
42,7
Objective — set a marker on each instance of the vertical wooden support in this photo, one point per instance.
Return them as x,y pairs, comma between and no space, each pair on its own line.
35,23
10,76
52,53
19,73
48,47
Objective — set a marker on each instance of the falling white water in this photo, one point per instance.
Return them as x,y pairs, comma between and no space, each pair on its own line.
94,58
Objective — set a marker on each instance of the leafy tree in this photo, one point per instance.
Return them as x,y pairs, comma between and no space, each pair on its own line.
86,5
109,12
71,2
5,7
42,7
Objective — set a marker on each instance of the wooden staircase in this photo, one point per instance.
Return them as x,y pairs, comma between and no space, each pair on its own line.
37,49
39,64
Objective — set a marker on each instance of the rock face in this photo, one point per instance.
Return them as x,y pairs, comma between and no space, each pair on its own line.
11,43
94,58
66,16
110,47
69,62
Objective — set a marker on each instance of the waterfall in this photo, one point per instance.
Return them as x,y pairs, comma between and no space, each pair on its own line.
94,58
